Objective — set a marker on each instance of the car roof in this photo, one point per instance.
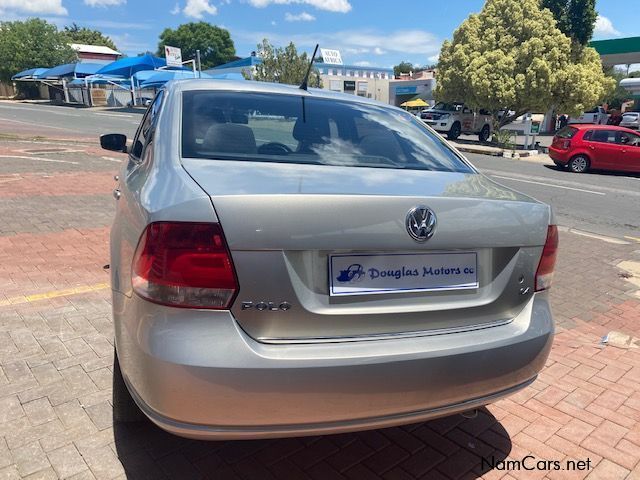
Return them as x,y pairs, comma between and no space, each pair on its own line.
586,126
265,87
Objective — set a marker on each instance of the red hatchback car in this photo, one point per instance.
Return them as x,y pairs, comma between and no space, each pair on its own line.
603,147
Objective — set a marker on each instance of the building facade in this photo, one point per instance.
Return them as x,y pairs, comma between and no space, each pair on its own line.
369,82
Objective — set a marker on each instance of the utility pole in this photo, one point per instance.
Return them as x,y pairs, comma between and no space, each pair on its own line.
199,64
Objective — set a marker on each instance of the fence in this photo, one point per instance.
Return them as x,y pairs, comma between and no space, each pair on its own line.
106,95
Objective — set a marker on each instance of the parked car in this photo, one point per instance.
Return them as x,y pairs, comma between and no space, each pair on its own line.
584,147
597,116
631,120
455,119
329,264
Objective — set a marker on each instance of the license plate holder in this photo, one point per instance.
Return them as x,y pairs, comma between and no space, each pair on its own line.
387,273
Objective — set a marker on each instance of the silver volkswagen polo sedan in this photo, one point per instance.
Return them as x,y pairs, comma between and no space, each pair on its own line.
289,262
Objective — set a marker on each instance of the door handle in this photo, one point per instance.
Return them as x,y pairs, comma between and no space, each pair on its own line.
624,151
117,194
592,147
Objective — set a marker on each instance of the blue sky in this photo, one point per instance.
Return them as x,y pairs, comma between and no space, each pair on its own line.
368,32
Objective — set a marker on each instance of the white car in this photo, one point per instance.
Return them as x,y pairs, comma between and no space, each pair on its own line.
454,119
597,116
631,120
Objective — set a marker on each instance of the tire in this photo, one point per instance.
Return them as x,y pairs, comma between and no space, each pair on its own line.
485,133
579,164
455,131
560,165
125,409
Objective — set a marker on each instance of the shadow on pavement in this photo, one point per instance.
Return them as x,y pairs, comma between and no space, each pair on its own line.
608,173
444,448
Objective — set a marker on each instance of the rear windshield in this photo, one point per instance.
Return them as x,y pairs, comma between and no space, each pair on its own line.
566,132
296,129
631,115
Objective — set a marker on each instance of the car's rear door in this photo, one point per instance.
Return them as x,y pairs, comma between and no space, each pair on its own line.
604,152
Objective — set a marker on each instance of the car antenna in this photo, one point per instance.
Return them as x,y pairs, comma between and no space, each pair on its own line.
305,81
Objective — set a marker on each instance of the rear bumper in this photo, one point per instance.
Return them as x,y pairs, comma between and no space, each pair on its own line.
197,374
561,156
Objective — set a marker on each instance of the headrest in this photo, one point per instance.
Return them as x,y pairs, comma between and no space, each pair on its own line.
230,138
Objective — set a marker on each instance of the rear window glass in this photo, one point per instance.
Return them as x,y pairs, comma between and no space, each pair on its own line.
566,132
302,129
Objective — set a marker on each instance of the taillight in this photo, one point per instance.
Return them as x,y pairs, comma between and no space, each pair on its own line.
184,264
566,144
544,274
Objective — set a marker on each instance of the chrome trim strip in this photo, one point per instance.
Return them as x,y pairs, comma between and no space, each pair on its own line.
384,336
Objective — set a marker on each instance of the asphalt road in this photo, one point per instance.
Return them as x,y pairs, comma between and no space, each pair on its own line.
598,202
72,120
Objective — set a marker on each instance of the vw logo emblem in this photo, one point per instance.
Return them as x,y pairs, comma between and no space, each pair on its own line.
421,223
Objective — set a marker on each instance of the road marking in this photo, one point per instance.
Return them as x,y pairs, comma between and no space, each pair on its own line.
119,115
53,294
604,238
635,239
549,185
32,124
38,108
40,159
111,159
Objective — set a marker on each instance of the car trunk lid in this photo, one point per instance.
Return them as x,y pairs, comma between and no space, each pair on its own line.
283,223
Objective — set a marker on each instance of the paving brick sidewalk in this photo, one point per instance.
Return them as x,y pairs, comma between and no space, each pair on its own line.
56,364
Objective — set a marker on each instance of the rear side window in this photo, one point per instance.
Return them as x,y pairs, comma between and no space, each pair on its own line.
566,132
604,136
303,129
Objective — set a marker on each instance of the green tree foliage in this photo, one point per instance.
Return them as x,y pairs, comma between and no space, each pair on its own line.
575,18
403,67
214,43
284,65
29,44
86,36
511,57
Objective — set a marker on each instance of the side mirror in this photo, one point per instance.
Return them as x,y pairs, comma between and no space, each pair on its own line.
115,142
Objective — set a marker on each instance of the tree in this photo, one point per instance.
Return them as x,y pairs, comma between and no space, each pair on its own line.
284,65
29,44
511,57
575,18
403,67
214,43
86,36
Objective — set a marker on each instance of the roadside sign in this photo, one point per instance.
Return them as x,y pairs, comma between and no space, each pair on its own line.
173,56
331,57
535,128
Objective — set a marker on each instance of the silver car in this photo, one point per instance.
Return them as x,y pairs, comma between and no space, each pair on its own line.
289,262
631,120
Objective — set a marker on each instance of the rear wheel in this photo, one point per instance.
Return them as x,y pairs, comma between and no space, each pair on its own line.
579,164
125,409
455,131
484,134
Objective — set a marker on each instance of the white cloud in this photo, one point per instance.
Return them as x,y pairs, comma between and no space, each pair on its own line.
40,7
362,63
175,10
274,23
604,28
197,8
341,6
115,25
104,3
355,42
302,17
434,58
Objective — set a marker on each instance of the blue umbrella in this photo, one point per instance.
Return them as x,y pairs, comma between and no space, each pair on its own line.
29,74
126,67
161,77
78,70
